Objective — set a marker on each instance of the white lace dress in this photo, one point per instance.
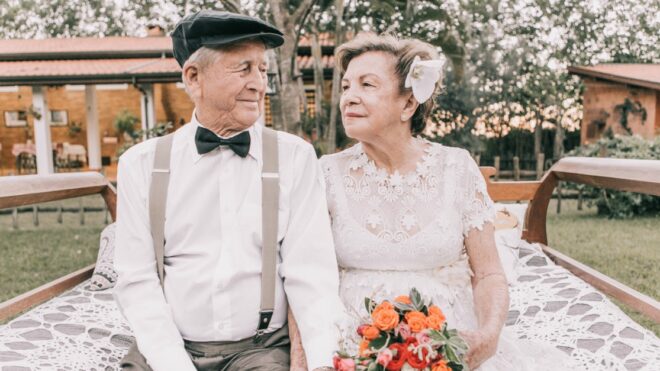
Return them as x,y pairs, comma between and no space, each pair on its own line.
396,231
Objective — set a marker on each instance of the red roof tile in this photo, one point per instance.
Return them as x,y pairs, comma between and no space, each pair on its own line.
104,70
79,45
325,39
646,75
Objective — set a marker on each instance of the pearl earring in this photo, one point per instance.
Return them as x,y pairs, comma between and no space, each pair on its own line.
403,118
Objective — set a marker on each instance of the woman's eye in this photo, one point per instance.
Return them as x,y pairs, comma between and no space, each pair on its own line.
344,87
367,84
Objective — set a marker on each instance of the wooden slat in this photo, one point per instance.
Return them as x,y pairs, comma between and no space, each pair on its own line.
109,194
43,293
31,189
642,176
508,191
632,298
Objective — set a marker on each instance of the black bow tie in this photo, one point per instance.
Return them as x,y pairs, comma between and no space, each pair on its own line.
206,141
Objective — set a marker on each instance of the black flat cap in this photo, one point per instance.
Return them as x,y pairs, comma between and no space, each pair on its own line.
215,28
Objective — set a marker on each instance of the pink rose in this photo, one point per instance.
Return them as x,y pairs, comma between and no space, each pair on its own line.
384,357
423,337
403,329
345,364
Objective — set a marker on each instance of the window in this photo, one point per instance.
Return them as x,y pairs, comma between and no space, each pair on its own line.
15,119
58,118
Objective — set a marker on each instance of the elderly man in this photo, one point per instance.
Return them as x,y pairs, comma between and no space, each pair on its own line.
203,306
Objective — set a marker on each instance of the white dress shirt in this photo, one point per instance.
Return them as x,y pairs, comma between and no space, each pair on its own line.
213,249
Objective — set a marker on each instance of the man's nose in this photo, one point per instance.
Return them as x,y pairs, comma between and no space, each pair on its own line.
257,81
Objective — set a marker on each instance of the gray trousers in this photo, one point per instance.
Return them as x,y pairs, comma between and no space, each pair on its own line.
271,353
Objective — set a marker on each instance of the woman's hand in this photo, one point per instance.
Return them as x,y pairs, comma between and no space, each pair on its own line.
481,346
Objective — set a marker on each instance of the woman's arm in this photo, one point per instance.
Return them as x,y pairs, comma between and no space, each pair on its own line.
491,294
298,361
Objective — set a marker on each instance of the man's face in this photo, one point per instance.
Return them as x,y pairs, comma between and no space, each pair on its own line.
232,89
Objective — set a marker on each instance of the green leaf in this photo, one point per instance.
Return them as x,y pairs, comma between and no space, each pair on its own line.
380,342
403,307
456,366
416,299
369,304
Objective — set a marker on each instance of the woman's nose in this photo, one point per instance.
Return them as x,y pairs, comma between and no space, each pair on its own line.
349,97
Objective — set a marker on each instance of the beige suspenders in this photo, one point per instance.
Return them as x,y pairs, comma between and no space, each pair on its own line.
270,191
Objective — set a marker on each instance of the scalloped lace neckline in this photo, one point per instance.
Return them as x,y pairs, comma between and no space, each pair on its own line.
371,170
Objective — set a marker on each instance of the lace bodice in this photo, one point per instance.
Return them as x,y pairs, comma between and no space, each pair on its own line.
413,221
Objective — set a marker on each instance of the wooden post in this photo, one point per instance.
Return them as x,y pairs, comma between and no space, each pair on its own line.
81,211
579,204
497,167
35,215
540,160
14,218
516,168
559,197
59,214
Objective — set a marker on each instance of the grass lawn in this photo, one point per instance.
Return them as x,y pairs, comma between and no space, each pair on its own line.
627,250
34,255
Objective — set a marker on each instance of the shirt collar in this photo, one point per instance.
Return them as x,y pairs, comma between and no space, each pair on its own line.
255,140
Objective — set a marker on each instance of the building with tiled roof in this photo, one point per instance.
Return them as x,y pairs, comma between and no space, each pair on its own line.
621,98
86,82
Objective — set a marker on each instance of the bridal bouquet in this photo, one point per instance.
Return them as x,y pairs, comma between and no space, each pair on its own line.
407,334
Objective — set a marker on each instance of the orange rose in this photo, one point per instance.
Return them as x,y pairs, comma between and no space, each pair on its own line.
385,319
370,332
435,310
416,320
441,365
403,299
434,321
384,305
364,347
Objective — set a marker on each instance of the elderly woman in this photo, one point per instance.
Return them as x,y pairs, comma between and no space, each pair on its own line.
407,212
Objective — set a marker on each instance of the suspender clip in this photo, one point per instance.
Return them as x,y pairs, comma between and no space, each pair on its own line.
264,321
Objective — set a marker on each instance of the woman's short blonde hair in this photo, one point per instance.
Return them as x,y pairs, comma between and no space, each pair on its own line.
404,50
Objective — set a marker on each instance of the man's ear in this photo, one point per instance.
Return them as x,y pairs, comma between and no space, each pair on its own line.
410,108
192,79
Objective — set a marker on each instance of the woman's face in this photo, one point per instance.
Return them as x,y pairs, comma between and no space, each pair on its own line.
370,101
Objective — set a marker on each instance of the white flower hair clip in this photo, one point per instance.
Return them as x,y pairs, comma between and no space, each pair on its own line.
422,77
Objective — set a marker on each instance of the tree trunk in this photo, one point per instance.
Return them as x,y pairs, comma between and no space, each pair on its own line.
334,101
318,80
538,136
290,95
558,149
276,112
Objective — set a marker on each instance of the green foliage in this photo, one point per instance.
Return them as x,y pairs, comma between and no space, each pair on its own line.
125,123
162,128
618,204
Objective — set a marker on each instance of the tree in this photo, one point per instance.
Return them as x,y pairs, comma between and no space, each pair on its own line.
289,16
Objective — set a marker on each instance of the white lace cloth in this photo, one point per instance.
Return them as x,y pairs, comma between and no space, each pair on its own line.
84,330
393,232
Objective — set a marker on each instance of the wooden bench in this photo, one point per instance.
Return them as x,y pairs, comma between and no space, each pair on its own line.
628,175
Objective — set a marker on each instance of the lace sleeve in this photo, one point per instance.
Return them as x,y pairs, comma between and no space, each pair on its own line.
478,208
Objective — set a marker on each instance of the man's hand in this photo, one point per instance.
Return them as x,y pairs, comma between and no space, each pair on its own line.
298,360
